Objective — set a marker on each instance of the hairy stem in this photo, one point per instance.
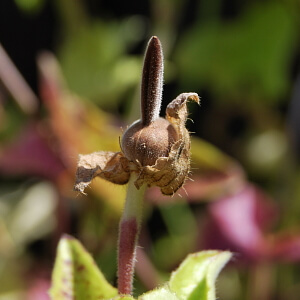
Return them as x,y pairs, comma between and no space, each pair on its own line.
128,236
152,81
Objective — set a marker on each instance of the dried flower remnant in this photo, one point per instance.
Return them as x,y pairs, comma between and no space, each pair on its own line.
112,166
156,149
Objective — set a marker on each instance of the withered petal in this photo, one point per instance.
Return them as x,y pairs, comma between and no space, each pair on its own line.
176,112
112,166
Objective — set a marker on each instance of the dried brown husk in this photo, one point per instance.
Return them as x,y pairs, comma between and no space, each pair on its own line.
168,173
112,166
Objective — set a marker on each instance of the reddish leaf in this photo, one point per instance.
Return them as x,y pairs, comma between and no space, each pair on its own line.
30,154
39,290
286,248
237,223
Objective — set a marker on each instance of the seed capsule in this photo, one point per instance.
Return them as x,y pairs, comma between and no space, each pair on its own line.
156,149
145,144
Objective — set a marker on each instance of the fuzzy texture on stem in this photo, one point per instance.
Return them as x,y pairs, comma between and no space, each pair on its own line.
152,82
128,236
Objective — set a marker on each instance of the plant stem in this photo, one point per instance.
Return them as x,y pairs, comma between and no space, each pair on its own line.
128,235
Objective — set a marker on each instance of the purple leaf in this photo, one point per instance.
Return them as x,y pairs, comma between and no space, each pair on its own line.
30,154
237,223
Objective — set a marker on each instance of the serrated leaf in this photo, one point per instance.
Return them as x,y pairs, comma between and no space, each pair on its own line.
76,275
195,278
162,293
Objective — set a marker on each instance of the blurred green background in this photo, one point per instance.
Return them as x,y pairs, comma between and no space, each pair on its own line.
78,85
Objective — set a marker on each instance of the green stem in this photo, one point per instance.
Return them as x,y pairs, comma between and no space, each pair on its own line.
128,235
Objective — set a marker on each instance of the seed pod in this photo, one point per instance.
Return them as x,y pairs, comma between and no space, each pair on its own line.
170,171
159,148
150,137
156,149
145,144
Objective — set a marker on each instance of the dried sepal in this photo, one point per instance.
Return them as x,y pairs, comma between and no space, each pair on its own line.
169,173
176,112
112,166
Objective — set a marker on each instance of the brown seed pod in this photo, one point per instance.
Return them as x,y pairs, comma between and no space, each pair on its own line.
170,171
145,144
156,149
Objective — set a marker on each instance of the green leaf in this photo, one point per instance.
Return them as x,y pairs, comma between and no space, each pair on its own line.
245,59
95,65
30,6
76,275
162,293
195,278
